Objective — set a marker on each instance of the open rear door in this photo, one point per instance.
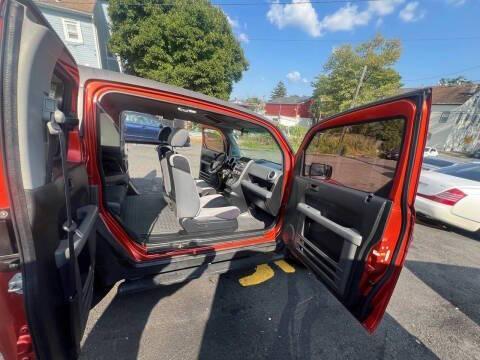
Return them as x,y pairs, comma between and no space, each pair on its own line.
47,210
350,213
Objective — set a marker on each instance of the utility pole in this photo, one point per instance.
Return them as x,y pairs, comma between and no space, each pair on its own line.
359,85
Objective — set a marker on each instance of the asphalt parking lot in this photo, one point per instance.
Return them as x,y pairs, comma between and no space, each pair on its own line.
434,313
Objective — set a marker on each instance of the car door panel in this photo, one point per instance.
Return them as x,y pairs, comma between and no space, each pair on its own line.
39,84
352,224
335,224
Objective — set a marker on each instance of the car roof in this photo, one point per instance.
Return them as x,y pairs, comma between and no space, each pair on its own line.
87,74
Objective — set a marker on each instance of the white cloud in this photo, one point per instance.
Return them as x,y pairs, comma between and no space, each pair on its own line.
379,22
242,37
384,7
301,15
411,12
295,77
346,18
233,23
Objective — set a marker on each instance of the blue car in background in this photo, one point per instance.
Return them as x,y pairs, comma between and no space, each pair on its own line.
139,127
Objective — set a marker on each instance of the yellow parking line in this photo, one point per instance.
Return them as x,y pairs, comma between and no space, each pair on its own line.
286,267
262,273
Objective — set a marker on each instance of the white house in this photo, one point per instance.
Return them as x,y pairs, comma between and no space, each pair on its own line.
455,118
84,27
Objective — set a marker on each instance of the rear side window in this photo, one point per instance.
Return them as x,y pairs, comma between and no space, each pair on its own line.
213,140
363,157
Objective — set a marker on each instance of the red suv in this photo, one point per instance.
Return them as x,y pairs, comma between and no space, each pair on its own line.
72,221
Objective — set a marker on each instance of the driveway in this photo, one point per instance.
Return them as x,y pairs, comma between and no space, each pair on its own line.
434,313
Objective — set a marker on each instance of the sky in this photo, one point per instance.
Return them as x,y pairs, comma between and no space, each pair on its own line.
290,40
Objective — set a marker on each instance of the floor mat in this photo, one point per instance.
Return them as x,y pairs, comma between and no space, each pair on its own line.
149,214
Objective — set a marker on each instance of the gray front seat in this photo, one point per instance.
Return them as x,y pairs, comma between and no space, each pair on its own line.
173,138
195,213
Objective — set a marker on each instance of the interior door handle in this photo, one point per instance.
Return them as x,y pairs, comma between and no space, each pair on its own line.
348,234
89,214
314,187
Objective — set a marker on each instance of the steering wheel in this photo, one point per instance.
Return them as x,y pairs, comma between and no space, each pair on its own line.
217,163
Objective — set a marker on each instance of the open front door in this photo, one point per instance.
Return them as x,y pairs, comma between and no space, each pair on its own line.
350,213
50,218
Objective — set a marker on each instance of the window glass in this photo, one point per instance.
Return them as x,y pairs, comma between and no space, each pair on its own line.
363,157
258,144
465,171
444,117
133,117
72,31
213,140
109,134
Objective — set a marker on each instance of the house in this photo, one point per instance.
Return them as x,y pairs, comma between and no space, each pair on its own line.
84,28
455,118
290,110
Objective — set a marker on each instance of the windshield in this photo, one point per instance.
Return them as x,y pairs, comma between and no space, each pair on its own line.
465,171
258,145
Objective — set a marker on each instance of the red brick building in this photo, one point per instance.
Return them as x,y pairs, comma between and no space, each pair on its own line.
289,106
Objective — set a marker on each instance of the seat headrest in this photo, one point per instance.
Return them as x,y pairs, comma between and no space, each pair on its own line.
178,138
164,134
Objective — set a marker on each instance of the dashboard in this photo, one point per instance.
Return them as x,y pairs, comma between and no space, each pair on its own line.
259,182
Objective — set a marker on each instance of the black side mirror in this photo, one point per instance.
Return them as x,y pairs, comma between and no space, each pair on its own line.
320,170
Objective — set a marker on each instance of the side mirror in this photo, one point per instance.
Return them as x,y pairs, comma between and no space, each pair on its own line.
320,170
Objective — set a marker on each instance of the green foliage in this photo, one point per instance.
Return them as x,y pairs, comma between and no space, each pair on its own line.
335,88
187,43
336,143
255,103
294,134
369,139
279,91
459,80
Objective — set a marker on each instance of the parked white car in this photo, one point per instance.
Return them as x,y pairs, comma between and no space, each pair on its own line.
451,195
430,151
435,163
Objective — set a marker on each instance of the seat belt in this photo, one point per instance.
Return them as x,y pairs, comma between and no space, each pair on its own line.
59,126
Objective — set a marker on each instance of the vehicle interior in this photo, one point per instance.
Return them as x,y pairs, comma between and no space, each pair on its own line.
234,188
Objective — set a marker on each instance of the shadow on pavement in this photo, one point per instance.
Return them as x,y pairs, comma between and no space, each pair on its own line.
441,226
294,317
291,316
459,285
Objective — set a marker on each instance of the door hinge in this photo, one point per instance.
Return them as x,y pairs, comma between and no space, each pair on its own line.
15,284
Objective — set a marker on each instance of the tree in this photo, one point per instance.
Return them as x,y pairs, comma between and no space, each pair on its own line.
459,80
334,89
188,43
279,91
255,103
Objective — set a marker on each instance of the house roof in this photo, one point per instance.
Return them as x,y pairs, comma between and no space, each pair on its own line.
453,95
83,6
289,100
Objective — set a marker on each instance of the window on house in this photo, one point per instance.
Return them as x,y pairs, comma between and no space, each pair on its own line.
72,31
444,117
